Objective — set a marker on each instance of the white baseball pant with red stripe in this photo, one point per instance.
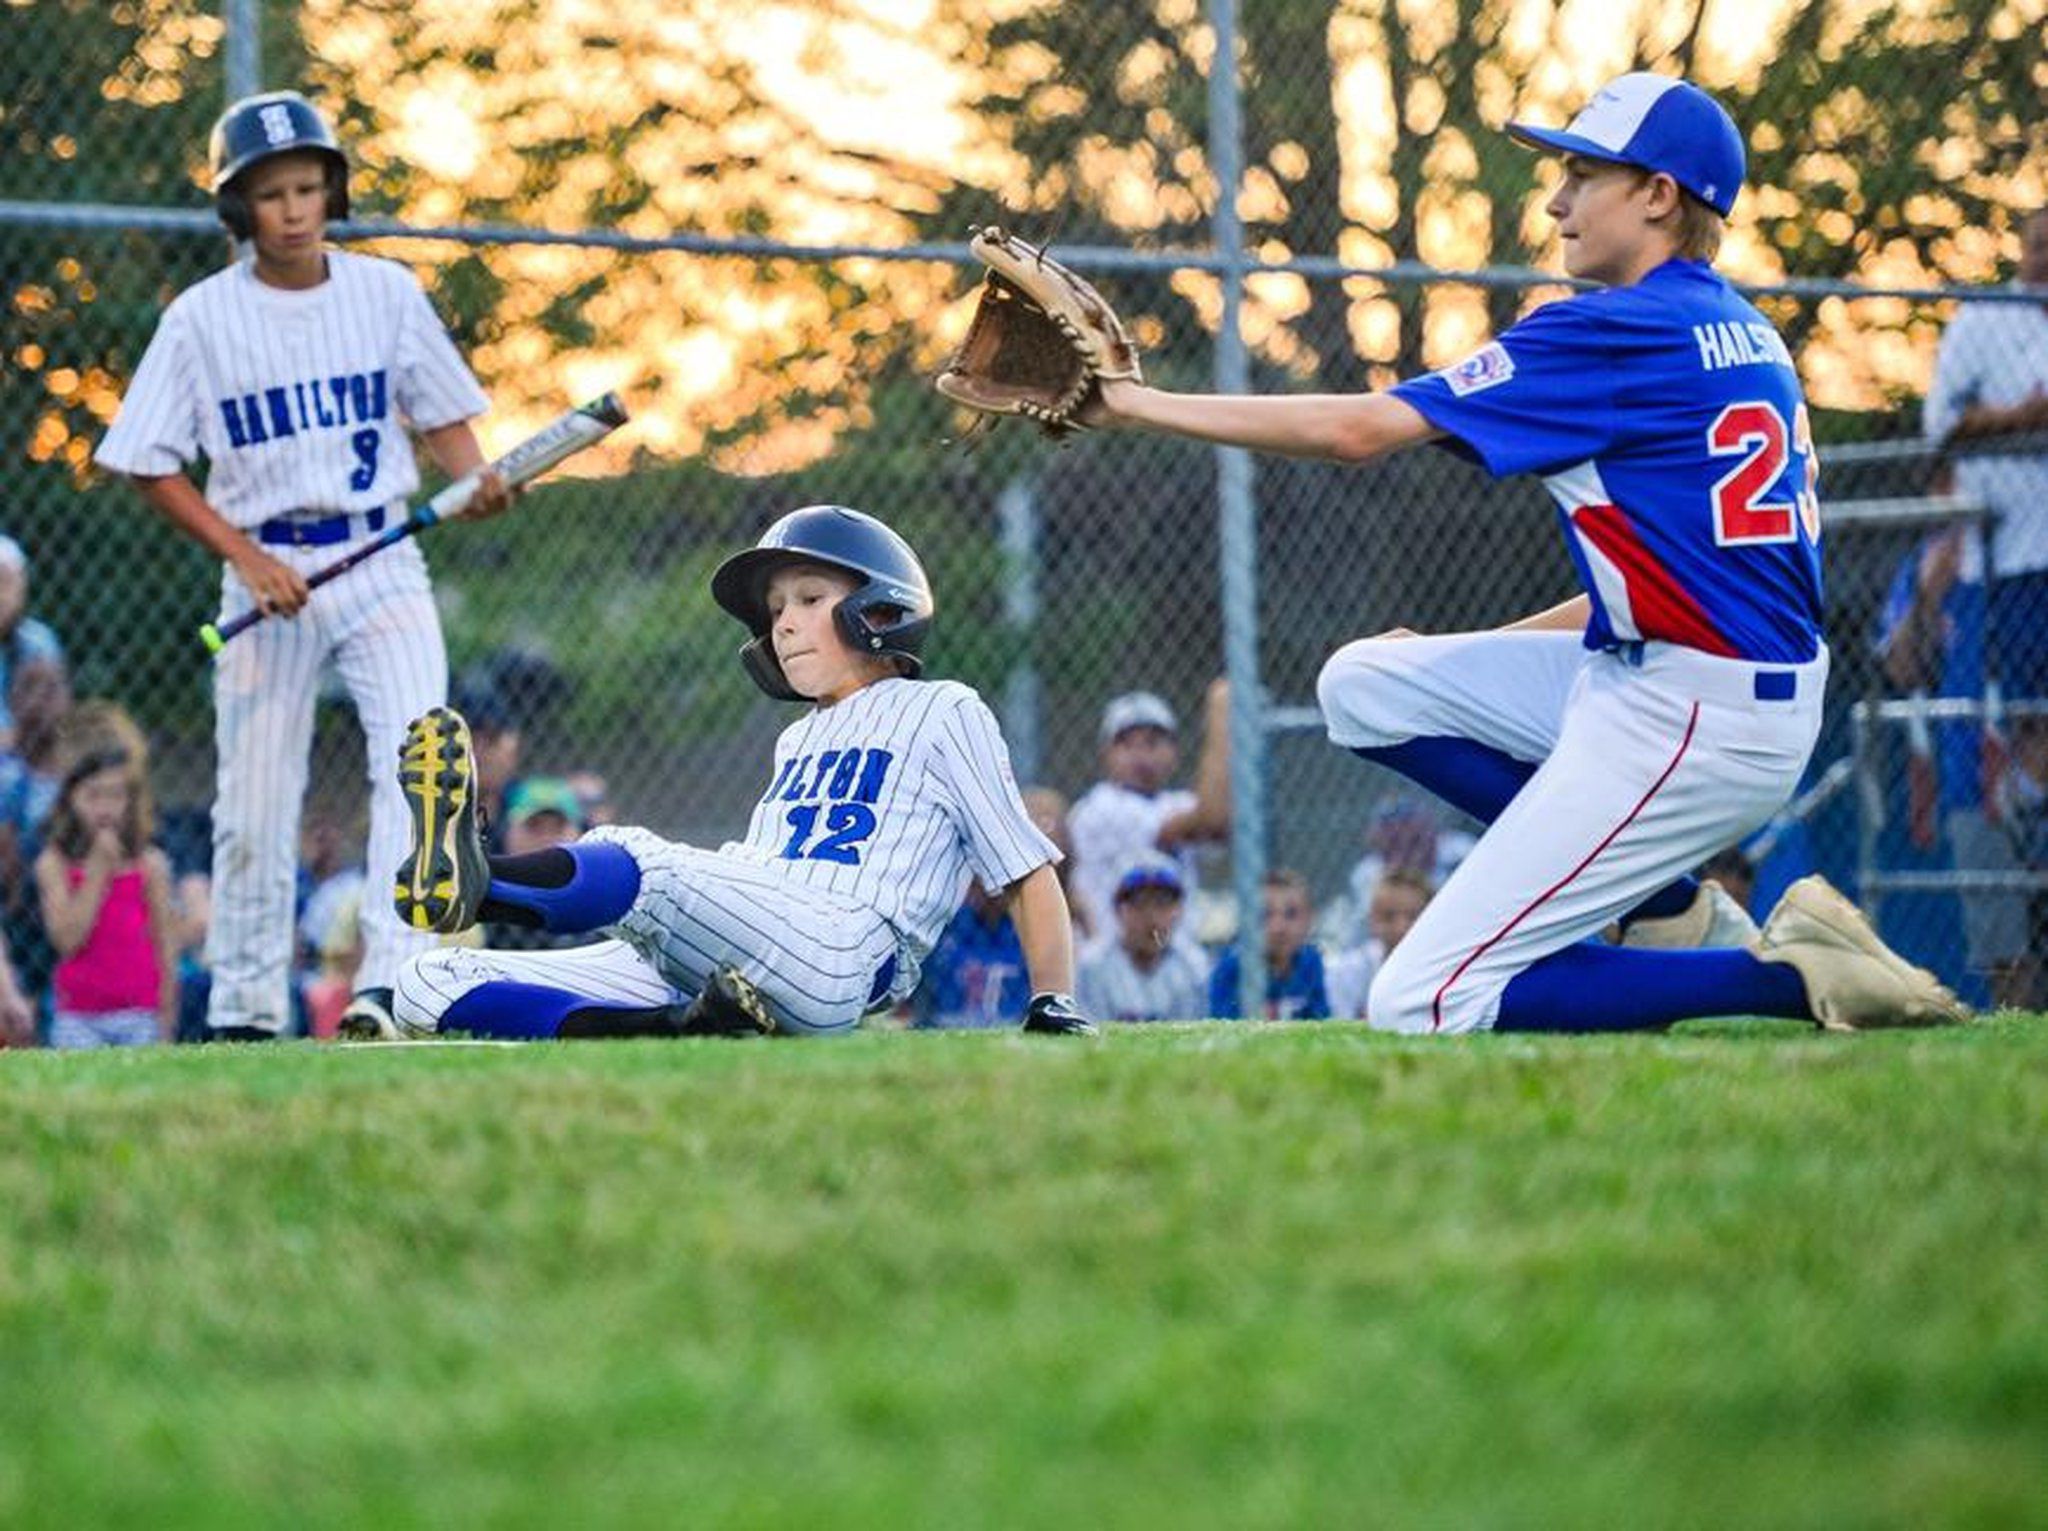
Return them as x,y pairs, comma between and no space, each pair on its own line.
1652,758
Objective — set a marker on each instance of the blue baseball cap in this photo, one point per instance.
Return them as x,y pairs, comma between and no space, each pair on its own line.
1656,123
1149,870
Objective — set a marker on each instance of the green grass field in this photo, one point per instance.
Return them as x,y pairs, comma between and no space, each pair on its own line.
1228,1276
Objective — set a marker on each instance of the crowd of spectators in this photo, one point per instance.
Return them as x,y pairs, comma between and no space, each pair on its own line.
1132,869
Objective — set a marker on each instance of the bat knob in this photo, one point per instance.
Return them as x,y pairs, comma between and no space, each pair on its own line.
210,636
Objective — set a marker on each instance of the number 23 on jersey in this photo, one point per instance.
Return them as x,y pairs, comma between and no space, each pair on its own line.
1755,432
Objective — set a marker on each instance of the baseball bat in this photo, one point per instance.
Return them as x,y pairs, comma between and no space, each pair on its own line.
568,433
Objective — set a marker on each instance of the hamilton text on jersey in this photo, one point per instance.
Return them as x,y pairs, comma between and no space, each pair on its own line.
327,404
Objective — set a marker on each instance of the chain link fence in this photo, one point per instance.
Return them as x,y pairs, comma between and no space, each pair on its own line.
746,219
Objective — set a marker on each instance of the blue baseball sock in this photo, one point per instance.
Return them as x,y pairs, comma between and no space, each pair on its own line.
510,1011
1481,781
565,888
513,1012
1594,987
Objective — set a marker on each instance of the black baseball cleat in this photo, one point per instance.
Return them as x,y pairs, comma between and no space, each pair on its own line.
368,1018
729,1006
240,1034
442,882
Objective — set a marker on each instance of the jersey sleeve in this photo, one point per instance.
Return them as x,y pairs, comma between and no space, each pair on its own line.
434,385
156,431
972,764
1539,397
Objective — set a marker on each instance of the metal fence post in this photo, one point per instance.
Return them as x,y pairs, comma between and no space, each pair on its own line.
243,63
1017,518
1237,533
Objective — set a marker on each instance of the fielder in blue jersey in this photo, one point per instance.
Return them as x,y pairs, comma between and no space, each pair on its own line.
1622,737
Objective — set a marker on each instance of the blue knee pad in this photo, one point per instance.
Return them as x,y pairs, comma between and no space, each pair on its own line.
599,892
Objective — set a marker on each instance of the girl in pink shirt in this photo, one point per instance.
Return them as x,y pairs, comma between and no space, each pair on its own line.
106,894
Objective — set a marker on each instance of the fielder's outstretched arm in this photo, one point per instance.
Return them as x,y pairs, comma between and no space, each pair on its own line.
1343,427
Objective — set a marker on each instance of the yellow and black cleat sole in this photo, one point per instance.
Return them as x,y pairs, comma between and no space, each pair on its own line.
441,882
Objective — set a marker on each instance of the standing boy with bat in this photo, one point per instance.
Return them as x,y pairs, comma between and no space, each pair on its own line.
291,372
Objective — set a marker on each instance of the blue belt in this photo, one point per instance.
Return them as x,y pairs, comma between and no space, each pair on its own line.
289,531
1769,686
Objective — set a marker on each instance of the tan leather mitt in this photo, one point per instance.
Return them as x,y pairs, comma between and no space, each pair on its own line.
1042,340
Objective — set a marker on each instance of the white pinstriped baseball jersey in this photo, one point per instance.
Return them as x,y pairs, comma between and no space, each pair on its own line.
294,396
1113,825
879,809
892,798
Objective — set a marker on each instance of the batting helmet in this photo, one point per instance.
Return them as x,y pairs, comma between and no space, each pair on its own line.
257,127
887,616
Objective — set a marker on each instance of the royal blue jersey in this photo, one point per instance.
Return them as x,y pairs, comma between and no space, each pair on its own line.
1666,420
976,976
1299,994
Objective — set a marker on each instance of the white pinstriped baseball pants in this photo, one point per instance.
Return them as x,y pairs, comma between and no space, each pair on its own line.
378,625
816,959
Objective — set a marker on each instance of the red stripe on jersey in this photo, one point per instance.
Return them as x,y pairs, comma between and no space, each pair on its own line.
1664,609
1436,1019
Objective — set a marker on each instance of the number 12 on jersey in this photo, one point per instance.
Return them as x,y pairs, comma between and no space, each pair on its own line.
846,826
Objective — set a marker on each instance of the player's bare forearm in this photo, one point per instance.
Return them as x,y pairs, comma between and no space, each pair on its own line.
178,500
456,451
275,586
1343,427
454,448
1038,908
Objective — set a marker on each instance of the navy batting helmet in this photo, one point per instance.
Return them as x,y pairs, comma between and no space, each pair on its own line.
257,127
888,615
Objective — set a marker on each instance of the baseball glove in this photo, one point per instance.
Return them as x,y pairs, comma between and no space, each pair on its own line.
1042,341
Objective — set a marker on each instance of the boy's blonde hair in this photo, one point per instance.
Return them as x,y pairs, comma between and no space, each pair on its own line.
1695,228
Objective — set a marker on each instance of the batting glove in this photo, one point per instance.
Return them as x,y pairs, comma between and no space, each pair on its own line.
1055,1014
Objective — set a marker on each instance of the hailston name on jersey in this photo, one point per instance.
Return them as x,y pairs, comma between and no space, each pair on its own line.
1726,344
327,404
